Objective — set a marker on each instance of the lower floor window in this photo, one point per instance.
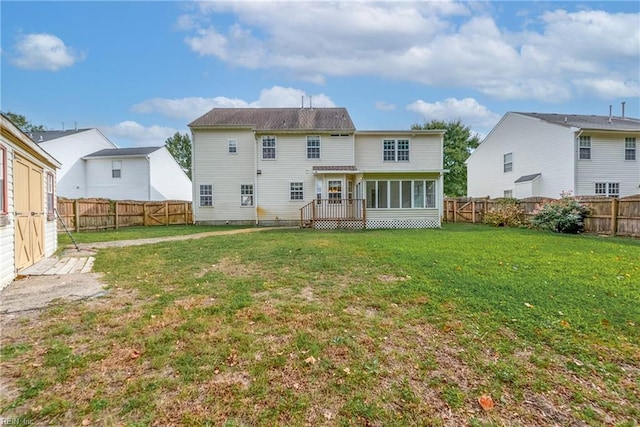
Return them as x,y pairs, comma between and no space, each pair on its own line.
508,194
206,195
296,191
611,189
405,194
246,195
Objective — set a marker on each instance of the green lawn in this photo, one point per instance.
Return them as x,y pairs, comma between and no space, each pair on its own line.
302,327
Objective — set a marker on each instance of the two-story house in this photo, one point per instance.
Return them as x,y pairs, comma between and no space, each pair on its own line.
544,155
310,166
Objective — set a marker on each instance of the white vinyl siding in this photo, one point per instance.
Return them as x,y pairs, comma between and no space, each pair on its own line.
424,151
3,180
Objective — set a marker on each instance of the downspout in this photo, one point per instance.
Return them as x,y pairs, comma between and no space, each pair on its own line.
149,168
193,175
255,177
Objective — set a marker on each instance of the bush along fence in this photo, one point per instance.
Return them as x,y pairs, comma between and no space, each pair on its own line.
99,214
606,215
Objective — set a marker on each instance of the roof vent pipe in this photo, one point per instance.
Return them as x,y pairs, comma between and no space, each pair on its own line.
311,102
302,106
623,109
610,107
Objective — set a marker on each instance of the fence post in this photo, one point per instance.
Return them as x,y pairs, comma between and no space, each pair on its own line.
166,210
76,215
473,211
614,216
144,214
455,210
117,216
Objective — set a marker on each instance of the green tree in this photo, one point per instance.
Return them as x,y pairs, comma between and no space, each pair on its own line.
458,144
23,123
180,148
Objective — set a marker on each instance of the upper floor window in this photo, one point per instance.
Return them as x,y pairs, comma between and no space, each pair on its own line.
629,148
611,189
50,199
296,191
233,146
246,195
585,148
269,147
3,180
116,169
206,195
395,150
313,147
507,162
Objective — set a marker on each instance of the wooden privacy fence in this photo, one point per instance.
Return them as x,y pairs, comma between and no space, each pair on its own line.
607,215
99,214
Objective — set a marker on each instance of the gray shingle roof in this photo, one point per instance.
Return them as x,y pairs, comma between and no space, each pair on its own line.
335,168
525,178
588,122
48,135
123,152
265,119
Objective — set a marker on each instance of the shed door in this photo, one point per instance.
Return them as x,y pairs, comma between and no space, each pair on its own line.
29,212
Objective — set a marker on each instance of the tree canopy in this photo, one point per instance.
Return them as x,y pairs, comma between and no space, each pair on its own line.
458,145
23,123
179,146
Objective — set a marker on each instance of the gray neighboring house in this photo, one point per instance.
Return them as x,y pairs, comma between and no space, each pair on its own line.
541,154
138,173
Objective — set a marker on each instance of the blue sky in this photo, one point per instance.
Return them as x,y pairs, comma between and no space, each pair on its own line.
141,71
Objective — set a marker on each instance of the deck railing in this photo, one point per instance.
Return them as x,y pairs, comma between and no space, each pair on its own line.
333,212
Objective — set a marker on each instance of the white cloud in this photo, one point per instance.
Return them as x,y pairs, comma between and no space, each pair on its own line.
384,106
440,43
193,107
43,52
130,133
468,110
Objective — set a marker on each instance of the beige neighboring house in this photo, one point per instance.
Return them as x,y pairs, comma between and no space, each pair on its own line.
311,167
28,229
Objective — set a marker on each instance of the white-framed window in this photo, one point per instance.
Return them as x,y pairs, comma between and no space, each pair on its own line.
313,146
585,148
268,147
206,195
419,194
507,162
246,195
116,169
50,199
296,191
232,146
334,189
3,180
508,194
629,148
395,150
611,189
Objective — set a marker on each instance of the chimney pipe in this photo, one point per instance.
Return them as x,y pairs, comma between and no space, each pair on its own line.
610,107
310,102
302,101
623,109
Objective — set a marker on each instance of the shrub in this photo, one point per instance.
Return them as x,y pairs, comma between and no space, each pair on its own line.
565,215
505,213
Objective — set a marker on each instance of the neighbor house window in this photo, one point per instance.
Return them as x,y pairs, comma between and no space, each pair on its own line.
629,148
507,162
335,191
508,194
296,191
384,194
50,200
395,150
3,180
116,169
206,195
233,146
268,147
246,195
611,189
585,148
313,147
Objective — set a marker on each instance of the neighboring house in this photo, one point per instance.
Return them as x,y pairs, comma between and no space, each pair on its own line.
147,173
28,230
310,166
535,154
69,146
142,173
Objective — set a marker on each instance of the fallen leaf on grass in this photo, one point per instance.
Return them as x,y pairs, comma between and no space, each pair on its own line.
528,305
135,354
310,360
564,324
486,402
